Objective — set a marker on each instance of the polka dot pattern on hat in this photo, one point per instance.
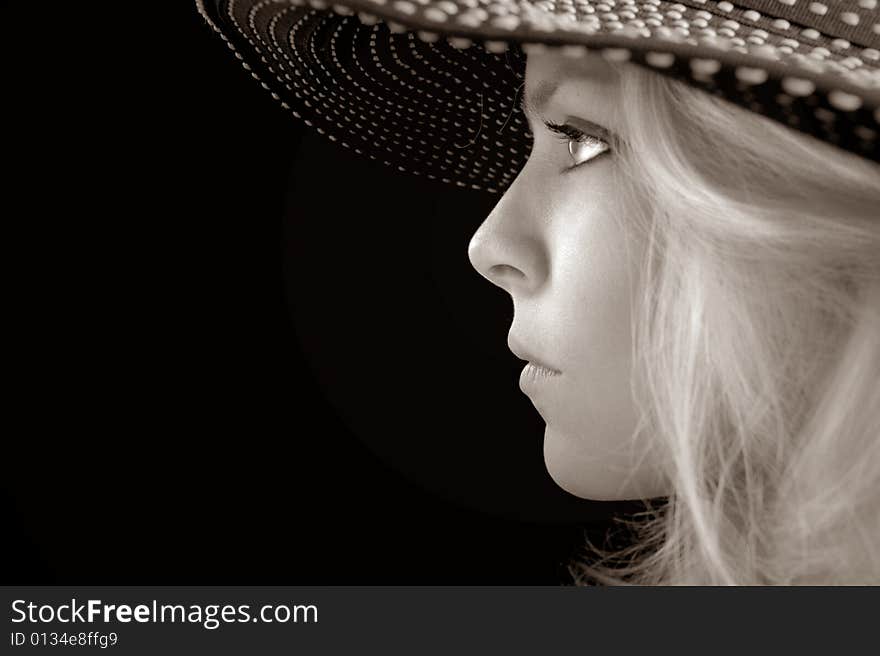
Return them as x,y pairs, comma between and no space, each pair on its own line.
432,87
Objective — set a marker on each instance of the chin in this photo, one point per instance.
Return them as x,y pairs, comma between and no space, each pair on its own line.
570,465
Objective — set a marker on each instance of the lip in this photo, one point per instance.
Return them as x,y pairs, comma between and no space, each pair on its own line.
523,354
535,378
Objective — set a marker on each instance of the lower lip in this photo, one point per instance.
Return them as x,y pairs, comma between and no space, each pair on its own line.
535,377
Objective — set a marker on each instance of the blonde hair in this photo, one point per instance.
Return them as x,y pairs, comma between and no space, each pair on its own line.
756,346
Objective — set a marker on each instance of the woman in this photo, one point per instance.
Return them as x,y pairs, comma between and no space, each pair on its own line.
708,287
696,287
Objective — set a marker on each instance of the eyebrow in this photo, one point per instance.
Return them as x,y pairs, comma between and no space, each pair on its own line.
533,106
592,69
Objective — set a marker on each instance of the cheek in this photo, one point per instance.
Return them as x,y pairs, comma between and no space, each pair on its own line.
598,407
589,442
596,277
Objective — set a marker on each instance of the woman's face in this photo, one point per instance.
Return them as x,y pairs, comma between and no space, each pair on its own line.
555,243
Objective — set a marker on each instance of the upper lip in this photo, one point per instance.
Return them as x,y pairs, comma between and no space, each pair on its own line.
523,354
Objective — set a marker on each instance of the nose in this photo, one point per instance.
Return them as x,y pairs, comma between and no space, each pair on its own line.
507,248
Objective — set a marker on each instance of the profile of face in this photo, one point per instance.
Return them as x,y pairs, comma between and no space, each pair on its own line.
555,243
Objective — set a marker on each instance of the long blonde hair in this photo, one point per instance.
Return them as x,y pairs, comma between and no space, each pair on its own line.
756,346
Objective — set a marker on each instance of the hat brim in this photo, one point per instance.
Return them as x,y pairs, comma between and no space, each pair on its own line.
437,97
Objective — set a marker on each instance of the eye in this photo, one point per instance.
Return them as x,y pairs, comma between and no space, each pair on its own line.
582,147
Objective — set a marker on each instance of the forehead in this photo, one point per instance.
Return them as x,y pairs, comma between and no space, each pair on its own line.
590,66
588,79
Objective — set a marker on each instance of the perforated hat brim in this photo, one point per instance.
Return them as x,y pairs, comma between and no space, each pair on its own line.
431,88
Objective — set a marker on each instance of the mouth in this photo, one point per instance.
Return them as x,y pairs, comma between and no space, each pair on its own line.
536,368
537,381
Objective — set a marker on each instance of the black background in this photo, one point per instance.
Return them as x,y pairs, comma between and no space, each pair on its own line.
237,352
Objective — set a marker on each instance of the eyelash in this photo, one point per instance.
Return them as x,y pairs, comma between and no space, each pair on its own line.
566,133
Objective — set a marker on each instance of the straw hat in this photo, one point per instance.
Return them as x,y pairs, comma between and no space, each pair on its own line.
434,88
